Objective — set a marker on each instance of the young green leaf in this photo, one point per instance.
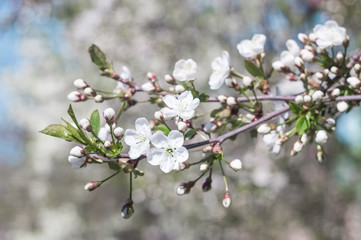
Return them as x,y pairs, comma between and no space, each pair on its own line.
203,97
95,121
302,124
114,166
190,133
59,131
74,132
253,69
97,56
163,128
295,108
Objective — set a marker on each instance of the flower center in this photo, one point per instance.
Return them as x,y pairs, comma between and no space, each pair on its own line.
169,151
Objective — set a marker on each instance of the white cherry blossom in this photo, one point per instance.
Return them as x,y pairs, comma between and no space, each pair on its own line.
182,105
77,162
220,71
251,48
138,139
185,70
168,151
287,58
329,34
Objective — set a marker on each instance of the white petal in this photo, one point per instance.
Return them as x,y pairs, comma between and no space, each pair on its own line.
194,104
182,154
76,163
175,139
187,115
159,140
216,80
130,137
141,124
185,97
169,113
139,149
155,156
167,164
171,101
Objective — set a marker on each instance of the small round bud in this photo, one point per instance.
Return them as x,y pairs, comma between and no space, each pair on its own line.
302,37
89,91
342,106
319,75
204,167
91,186
107,144
210,127
319,154
85,124
182,126
80,84
226,202
169,79
159,116
217,148
264,129
151,77
318,96
77,151
312,37
321,137
148,87
299,99
99,98
231,101
307,56
127,209
230,82
339,57
304,139
184,188
335,93
109,115
357,68
297,147
236,165
207,149
207,185
329,122
75,96
307,98
354,82
222,98
346,41
334,70
179,88
278,66
247,81
118,132
299,62
303,77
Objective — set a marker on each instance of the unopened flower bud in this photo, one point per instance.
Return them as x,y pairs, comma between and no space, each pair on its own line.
107,144
169,79
77,151
235,164
182,126
319,154
247,81
302,37
217,148
204,167
299,62
339,57
118,132
354,82
230,82
231,101
76,96
148,87
307,98
299,99
264,128
179,88
210,127
278,66
346,41
342,106
335,93
312,37
297,147
321,137
319,75
318,96
226,202
307,56
207,185
222,98
184,188
85,124
303,77
80,84
159,116
151,77
304,139
99,98
329,122
89,91
207,149
357,68
109,115
90,186
334,70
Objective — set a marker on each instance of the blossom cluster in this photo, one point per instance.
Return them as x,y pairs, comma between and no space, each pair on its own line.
331,86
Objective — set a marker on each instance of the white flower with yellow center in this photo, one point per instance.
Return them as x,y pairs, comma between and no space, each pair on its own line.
168,152
220,71
185,70
251,48
138,139
329,34
182,105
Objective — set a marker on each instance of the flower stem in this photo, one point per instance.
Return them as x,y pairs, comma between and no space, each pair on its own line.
106,179
130,185
224,175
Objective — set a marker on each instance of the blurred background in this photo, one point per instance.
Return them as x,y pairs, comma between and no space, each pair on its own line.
43,49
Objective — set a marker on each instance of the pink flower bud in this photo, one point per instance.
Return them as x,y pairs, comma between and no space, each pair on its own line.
77,151
99,98
109,115
91,186
118,132
85,124
89,92
80,84
226,200
76,96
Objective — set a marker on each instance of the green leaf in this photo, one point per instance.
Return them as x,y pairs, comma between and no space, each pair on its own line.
295,108
253,69
74,132
72,116
59,131
114,166
95,121
215,111
203,97
97,56
190,133
163,128
302,124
